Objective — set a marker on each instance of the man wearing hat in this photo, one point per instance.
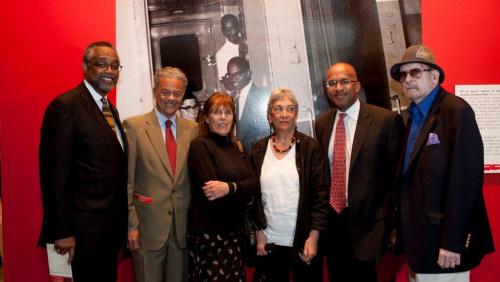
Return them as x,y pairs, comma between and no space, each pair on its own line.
443,222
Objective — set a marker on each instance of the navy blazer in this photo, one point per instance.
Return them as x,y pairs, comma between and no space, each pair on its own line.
442,203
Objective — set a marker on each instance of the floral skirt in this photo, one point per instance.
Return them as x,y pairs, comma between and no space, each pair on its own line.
215,257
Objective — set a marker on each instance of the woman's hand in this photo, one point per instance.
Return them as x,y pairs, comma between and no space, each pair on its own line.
214,189
261,243
310,247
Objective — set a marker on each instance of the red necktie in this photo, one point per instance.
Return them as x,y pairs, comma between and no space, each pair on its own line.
338,186
171,145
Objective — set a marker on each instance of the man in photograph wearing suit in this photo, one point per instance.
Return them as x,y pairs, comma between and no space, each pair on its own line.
159,188
362,143
444,225
251,102
83,171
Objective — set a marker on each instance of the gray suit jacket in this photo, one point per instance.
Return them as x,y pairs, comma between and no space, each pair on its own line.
155,195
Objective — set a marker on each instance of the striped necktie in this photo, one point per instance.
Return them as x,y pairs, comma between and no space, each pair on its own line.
106,111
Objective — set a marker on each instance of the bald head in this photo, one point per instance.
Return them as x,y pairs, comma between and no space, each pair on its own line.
344,69
342,85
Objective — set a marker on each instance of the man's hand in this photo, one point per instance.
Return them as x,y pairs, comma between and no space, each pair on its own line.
66,245
215,189
448,259
133,239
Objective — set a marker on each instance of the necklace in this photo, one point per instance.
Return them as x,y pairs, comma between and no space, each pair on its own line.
273,138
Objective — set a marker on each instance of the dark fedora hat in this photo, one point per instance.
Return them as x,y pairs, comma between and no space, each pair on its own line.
417,54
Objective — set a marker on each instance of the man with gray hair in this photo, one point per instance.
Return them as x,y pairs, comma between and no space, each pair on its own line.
83,171
444,225
159,188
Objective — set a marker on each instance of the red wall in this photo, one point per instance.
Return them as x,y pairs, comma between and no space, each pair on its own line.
42,47
464,36
43,42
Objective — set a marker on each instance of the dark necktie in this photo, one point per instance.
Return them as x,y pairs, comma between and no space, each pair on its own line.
338,185
106,111
171,145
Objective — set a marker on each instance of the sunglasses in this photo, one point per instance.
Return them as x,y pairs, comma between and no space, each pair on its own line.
415,73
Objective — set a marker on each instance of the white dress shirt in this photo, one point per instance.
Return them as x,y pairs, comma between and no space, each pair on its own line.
225,53
162,120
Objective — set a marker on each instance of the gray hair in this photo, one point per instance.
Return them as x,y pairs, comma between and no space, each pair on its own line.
280,94
170,72
87,55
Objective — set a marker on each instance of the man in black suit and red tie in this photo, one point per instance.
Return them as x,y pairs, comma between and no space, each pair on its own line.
83,171
444,226
361,142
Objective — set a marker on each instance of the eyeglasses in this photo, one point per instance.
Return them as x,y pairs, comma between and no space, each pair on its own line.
105,65
279,109
415,73
188,108
343,82
236,74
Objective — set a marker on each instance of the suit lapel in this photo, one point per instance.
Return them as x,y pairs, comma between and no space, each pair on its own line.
249,101
116,116
182,139
429,124
154,132
360,134
325,140
93,109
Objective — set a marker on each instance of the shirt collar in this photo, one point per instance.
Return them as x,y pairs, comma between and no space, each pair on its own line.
353,111
97,97
425,105
162,119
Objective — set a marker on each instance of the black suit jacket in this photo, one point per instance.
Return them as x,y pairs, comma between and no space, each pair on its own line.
442,204
253,124
371,174
83,174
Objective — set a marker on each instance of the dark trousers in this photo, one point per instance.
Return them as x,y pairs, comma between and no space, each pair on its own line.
94,266
276,267
342,263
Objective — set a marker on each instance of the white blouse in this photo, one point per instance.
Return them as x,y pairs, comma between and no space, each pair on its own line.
279,181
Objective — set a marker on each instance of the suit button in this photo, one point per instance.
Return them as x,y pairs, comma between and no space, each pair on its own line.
173,191
169,212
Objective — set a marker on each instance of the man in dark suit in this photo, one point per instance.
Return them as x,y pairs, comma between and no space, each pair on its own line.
444,225
361,142
251,102
83,171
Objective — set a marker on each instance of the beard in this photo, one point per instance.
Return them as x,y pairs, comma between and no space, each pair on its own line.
103,82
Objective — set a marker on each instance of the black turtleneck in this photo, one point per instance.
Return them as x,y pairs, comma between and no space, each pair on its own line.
216,157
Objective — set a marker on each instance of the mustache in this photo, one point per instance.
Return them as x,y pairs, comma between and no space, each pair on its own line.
108,76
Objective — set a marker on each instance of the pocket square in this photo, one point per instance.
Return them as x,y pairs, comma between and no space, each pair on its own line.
433,139
143,199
